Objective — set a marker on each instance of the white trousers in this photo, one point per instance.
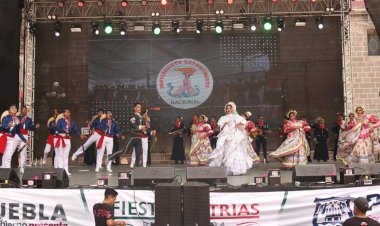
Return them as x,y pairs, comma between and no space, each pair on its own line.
108,146
12,144
144,142
95,137
62,154
48,148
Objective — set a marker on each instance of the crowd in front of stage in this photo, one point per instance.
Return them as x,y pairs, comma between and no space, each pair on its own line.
227,141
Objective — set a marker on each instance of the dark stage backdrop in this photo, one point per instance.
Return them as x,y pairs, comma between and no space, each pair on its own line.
264,73
186,74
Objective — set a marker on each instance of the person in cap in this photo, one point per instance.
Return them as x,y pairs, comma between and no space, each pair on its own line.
361,206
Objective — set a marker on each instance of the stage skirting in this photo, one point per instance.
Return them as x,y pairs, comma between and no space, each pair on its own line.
73,207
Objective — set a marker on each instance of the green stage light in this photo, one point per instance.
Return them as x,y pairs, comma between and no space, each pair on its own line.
108,27
156,28
219,27
268,24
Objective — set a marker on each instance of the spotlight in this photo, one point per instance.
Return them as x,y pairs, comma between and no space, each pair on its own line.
319,22
280,23
155,14
100,3
164,2
274,1
300,21
313,1
175,26
230,2
199,24
80,3
217,12
124,3
210,2
33,29
57,28
52,17
61,4
156,28
219,26
95,28
253,24
144,2
249,1
108,27
267,24
122,31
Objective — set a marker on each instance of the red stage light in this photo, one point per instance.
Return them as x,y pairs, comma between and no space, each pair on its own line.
249,1
80,3
313,1
274,1
144,2
61,4
124,3
210,2
294,0
230,2
164,2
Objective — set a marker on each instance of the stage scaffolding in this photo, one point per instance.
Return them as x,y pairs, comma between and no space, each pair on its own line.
185,11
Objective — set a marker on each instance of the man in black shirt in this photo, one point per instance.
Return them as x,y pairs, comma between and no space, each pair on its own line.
104,213
360,218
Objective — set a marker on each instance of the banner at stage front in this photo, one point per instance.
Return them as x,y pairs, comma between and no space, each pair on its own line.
38,207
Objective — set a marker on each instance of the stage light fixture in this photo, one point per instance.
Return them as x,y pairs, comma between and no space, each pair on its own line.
253,24
267,24
57,28
80,3
95,28
274,1
144,2
175,26
319,22
219,26
221,12
230,2
123,31
124,3
210,2
51,17
155,14
313,1
100,3
249,1
199,24
108,27
61,4
280,23
156,28
33,29
300,21
164,2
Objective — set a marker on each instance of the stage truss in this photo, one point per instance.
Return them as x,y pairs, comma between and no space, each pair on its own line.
185,11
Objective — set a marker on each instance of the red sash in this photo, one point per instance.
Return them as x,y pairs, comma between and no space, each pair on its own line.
101,140
24,131
3,141
50,140
61,141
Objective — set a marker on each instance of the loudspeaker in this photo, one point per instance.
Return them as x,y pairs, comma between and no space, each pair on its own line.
37,175
347,176
9,178
206,174
362,168
314,172
168,204
150,176
196,204
373,8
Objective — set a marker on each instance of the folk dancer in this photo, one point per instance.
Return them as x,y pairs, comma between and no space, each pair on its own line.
215,129
261,137
200,145
251,131
336,130
52,126
139,132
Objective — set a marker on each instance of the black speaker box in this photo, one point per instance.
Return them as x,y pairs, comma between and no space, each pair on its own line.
9,178
62,180
196,204
314,172
168,204
206,174
150,176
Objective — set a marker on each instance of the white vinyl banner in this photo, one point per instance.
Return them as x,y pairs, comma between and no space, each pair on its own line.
59,207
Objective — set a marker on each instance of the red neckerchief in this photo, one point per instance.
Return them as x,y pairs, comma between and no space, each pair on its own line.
23,120
321,126
15,119
177,125
213,125
339,122
261,124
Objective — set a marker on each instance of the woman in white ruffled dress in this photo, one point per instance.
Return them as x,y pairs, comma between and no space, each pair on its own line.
231,147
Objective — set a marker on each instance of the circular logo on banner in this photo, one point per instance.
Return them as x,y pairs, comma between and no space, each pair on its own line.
184,83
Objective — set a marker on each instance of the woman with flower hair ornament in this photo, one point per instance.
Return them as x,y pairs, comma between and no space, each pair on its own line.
295,149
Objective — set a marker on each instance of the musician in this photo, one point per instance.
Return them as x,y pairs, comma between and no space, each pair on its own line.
144,140
52,127
110,129
215,129
261,138
62,141
139,132
178,150
308,136
26,125
336,130
95,135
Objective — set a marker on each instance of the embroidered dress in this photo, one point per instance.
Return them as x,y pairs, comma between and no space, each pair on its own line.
200,145
251,128
295,149
356,143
